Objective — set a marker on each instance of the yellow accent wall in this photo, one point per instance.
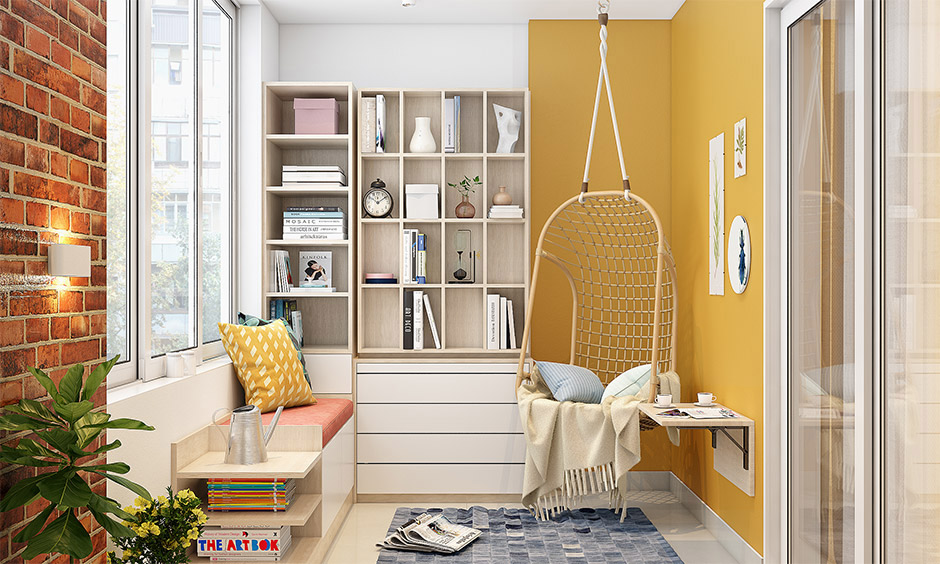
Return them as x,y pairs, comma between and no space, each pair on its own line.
717,79
677,84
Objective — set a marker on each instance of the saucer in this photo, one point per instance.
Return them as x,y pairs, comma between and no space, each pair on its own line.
656,405
712,404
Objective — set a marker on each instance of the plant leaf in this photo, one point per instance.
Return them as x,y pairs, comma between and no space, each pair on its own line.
31,530
65,488
37,449
71,385
114,528
97,376
60,439
84,429
118,467
134,487
34,409
21,493
45,381
107,505
65,535
17,422
123,423
26,460
105,448
72,412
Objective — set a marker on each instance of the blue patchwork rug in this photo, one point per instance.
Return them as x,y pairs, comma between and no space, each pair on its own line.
514,536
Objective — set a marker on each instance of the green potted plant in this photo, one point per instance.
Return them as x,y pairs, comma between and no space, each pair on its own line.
63,443
164,529
465,187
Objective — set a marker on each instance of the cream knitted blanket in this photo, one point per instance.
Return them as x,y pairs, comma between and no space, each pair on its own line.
576,449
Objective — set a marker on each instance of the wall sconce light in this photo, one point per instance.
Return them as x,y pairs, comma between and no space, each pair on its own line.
70,260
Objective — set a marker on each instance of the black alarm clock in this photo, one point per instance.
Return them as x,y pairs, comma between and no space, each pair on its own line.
377,201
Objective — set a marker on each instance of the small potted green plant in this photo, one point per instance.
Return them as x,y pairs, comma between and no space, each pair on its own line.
465,187
164,528
63,441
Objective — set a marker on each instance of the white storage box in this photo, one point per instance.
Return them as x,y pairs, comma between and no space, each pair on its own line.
422,201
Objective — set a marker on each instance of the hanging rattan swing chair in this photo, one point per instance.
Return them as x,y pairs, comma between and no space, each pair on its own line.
611,248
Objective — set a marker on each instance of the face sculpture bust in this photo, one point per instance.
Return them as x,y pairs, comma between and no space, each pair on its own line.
508,122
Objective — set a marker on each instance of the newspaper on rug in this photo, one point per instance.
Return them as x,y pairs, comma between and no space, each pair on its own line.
431,533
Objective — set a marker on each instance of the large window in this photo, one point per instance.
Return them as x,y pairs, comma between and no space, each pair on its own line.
170,180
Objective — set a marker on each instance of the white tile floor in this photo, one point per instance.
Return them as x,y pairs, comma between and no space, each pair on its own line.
367,523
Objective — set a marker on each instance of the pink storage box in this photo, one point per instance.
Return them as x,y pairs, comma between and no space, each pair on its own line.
316,116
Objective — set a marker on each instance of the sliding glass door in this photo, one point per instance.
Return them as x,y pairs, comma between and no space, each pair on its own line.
822,283
910,388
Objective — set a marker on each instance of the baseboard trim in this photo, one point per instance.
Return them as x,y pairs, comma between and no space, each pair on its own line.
726,536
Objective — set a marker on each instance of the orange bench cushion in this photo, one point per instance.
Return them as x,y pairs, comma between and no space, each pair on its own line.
329,413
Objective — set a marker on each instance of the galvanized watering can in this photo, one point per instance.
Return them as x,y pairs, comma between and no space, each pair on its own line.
247,439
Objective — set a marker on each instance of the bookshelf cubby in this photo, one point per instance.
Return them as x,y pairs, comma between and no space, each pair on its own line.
327,317
501,245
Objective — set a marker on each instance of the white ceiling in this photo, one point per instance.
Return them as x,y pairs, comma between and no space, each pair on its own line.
461,11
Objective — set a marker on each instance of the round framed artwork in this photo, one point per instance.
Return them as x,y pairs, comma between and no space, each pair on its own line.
739,254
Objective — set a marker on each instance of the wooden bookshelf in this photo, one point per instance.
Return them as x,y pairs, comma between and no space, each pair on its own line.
502,245
326,317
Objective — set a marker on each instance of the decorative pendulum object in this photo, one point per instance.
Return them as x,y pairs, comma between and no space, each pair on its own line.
462,246
423,140
508,123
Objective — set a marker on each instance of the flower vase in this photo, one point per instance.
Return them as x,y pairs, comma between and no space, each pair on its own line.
502,198
423,140
465,209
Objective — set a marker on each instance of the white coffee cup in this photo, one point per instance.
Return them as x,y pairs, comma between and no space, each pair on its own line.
664,399
174,365
706,398
188,362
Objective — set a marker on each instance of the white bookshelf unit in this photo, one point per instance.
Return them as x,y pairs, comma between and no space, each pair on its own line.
327,317
501,245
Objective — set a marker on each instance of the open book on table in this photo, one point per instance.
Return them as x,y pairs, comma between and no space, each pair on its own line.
431,533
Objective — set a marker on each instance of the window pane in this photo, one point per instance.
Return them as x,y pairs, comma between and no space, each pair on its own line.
216,170
911,148
117,220
173,170
822,285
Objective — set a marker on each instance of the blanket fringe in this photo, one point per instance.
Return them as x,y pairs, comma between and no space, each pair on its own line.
579,483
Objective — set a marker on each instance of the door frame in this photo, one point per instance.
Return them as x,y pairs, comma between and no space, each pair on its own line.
778,16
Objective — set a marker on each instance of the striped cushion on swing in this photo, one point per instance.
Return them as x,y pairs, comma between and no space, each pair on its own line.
568,382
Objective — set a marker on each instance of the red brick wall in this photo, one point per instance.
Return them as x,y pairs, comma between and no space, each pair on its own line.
52,189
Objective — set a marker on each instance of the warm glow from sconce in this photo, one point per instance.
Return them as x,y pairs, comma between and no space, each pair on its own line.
70,260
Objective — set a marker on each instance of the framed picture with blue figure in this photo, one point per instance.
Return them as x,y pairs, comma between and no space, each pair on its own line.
739,254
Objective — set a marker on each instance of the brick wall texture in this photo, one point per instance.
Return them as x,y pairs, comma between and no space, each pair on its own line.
52,189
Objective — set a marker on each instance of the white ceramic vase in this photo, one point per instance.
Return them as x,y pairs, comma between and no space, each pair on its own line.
423,140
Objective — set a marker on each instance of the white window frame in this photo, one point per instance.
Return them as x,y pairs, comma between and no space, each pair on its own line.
778,16
141,365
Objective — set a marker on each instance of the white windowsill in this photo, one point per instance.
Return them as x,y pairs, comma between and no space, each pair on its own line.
139,387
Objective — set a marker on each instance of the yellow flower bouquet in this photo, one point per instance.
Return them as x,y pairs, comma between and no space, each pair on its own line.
163,529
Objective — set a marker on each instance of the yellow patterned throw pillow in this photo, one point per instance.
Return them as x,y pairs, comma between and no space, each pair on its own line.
267,365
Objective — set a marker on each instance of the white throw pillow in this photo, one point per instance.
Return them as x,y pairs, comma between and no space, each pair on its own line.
629,383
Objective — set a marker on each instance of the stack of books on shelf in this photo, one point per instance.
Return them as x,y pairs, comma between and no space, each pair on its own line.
281,275
250,494
324,223
312,175
415,307
289,312
373,125
414,251
255,544
506,212
380,278
500,323
452,125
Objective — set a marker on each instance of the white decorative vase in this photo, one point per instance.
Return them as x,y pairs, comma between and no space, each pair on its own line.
423,141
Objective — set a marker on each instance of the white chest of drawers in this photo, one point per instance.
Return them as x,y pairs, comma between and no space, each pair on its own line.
438,429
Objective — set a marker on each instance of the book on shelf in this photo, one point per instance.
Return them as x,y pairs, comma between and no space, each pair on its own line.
414,254
281,277
316,269
312,174
457,122
280,308
380,123
297,324
421,269
250,494
430,315
233,544
450,126
500,323
506,212
381,278
418,328
408,336
431,533
368,125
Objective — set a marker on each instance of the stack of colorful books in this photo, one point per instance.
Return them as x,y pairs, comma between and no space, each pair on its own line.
315,222
250,494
